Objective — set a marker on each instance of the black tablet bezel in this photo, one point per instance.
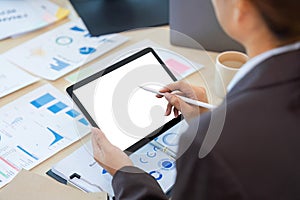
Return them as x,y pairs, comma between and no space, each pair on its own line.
117,65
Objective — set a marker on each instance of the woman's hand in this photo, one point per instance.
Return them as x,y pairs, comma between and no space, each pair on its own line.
184,89
110,157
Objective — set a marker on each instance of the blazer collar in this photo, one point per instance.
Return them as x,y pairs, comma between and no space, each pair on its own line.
273,71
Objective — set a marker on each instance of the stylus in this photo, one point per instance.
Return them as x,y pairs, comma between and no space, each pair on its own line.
185,99
163,149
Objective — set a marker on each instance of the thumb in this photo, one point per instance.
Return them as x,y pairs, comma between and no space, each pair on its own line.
99,137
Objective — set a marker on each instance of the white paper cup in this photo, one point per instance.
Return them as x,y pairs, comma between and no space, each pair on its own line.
227,65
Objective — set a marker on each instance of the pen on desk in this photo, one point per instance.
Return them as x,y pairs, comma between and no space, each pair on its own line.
164,149
185,99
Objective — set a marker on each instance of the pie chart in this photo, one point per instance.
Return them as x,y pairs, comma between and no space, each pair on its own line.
87,50
171,139
156,174
166,164
64,40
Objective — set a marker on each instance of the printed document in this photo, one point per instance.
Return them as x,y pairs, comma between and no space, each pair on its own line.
20,16
35,127
59,51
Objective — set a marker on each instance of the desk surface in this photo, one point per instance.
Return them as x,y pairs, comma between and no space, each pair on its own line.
159,35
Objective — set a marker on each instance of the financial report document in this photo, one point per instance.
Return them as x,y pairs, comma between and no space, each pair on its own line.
61,50
35,127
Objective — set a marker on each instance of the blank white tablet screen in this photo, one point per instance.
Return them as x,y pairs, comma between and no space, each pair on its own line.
123,111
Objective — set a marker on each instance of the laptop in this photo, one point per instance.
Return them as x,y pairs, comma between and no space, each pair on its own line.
113,16
197,20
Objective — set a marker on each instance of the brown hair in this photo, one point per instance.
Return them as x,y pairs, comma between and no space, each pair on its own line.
282,17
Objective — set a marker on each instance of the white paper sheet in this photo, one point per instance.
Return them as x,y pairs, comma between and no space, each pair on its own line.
35,127
59,51
20,16
12,78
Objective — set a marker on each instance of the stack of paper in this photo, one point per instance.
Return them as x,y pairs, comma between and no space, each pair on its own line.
20,16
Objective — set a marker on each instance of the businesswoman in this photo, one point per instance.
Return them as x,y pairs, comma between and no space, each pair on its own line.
258,154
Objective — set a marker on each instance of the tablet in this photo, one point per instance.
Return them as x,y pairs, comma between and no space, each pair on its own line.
113,101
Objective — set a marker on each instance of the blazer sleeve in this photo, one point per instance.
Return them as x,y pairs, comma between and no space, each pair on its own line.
134,183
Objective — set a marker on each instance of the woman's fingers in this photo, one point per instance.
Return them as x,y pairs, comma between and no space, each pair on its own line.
168,109
176,112
174,100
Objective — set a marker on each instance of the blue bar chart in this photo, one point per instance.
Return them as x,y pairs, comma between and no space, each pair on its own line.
84,121
59,64
57,107
43,100
73,113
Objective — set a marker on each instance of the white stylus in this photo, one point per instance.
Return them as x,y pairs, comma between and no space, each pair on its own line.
185,99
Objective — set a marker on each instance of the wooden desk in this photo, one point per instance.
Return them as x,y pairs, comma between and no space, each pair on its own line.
159,35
